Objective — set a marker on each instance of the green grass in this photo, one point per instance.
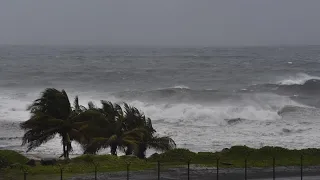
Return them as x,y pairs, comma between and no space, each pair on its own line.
13,157
233,157
84,164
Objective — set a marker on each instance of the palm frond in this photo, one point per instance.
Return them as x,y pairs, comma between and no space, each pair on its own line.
97,144
112,111
161,143
77,107
41,121
118,109
91,105
148,126
76,104
137,133
53,103
35,137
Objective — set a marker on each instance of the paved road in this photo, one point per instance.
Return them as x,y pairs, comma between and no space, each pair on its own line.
295,178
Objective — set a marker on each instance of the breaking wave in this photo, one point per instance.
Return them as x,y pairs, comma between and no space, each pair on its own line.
305,84
311,85
299,79
253,107
197,114
289,109
180,87
10,138
290,131
174,94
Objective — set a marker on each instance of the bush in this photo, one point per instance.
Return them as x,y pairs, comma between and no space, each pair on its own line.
89,158
3,162
12,157
175,155
205,157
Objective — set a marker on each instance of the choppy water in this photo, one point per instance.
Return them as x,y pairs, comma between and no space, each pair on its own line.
194,95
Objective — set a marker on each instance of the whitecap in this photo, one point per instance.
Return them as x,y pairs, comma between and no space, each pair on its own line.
180,87
299,78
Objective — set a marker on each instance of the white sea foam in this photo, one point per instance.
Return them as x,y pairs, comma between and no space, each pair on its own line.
259,107
299,78
191,125
14,105
194,118
180,87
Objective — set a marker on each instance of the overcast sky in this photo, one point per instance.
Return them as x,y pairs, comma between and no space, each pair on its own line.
160,22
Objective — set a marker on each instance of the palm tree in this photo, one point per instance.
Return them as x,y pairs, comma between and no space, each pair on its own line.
113,134
52,114
154,142
136,119
115,141
94,128
114,114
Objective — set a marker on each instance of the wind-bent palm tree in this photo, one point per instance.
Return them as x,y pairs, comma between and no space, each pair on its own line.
52,114
154,142
136,119
94,128
114,134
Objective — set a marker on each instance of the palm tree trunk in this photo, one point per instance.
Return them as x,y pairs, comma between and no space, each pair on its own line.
142,151
69,147
66,145
66,148
67,152
64,151
114,149
129,150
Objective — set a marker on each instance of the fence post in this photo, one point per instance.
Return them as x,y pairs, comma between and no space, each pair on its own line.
25,170
128,170
218,168
61,167
245,169
274,168
95,172
95,165
301,166
188,169
158,170
61,174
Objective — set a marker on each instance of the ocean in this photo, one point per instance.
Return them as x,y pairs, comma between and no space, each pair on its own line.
206,98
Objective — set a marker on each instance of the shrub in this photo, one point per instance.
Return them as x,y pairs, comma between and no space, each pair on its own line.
3,162
12,157
175,155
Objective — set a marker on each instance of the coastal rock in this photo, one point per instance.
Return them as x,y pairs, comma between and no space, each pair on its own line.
234,121
31,162
226,163
154,156
48,161
3,162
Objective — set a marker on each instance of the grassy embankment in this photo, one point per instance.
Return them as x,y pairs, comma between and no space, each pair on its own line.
233,157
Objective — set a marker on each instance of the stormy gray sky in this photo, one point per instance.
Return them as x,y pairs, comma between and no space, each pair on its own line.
160,22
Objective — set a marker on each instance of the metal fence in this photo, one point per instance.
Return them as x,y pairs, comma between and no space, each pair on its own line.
188,171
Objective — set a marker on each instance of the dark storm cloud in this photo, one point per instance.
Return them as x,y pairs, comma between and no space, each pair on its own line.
160,22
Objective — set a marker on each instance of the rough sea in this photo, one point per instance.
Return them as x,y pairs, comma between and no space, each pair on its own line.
206,99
